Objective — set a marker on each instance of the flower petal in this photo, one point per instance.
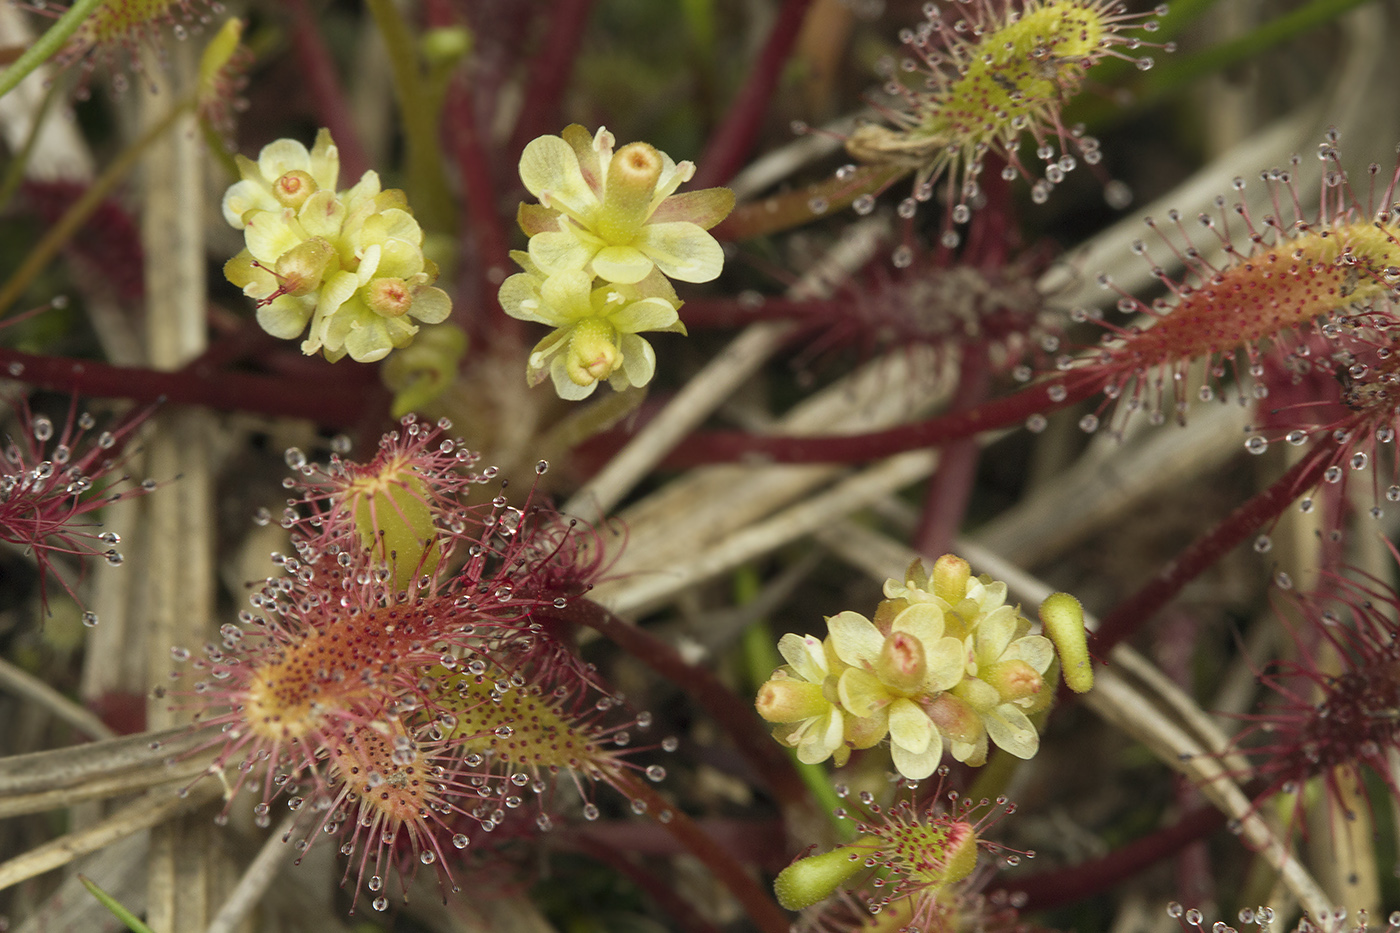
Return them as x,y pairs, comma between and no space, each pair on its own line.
820,739
622,264
946,660
704,208
1011,730
910,726
285,316
563,385
806,656
648,314
1036,650
682,250
549,167
281,156
368,341
856,639
918,766
430,305
861,693
563,250
638,360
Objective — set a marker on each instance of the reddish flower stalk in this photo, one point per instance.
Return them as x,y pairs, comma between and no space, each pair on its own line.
1062,885
949,489
735,715
323,83
795,208
732,141
489,237
342,406
1029,407
762,910
1263,508
550,71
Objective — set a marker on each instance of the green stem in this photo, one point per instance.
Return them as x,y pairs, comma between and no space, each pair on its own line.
14,172
60,233
47,45
425,171
133,922
1174,72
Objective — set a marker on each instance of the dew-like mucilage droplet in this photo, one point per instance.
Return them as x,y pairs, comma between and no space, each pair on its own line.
1256,444
90,618
1263,544
590,812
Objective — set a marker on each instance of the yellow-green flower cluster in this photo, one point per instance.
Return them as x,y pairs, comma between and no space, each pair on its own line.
349,263
944,665
606,238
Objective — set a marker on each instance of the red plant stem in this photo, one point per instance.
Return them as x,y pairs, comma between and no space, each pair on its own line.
1131,613
761,908
1064,885
324,85
734,446
490,236
736,716
671,904
340,405
950,486
730,144
550,71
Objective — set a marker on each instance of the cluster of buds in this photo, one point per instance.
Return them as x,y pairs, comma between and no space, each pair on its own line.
944,663
396,681
350,263
606,238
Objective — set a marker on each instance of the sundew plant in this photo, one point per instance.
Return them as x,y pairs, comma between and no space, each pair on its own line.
834,466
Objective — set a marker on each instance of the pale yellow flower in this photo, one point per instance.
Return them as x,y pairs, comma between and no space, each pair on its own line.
797,698
595,329
616,214
284,176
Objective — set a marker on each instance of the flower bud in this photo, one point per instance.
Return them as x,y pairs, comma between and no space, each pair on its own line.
1013,679
954,718
786,699
815,877
301,269
592,354
949,578
901,665
1063,618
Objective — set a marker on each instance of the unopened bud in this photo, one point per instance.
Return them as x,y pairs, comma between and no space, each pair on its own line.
301,268
954,718
815,877
1013,679
592,355
1063,619
949,578
786,699
901,665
